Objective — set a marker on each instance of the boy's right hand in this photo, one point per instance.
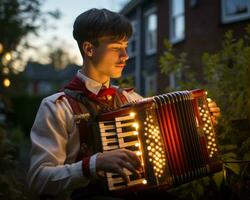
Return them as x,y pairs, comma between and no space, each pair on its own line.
114,161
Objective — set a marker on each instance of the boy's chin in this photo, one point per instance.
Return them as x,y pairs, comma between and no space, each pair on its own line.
116,75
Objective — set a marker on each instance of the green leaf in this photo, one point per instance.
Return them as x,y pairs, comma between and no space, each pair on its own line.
234,167
218,179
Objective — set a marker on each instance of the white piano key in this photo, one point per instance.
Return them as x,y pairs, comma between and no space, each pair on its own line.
125,134
110,140
108,148
120,125
106,127
105,134
123,144
124,118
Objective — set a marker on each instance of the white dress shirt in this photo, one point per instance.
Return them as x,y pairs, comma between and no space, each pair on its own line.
55,145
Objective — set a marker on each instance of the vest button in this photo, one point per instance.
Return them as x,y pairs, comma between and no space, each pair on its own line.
109,97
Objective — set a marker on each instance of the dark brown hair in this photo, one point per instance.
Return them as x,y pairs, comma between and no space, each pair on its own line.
96,23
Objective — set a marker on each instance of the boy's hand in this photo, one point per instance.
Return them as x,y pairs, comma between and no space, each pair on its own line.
214,110
114,161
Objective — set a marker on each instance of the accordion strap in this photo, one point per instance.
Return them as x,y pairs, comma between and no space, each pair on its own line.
85,111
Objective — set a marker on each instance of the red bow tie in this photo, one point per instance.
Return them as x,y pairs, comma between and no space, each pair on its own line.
103,94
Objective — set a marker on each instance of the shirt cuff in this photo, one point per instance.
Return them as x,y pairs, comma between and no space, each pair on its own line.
92,165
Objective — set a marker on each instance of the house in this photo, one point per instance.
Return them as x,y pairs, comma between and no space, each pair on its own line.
44,79
192,26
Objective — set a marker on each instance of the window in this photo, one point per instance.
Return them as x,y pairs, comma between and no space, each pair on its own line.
44,87
150,84
175,78
232,10
193,3
172,80
133,39
177,20
150,31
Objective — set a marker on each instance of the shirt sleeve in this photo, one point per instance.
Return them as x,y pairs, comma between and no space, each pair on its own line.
132,96
48,173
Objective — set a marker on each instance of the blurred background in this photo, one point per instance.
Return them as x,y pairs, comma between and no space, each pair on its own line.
176,45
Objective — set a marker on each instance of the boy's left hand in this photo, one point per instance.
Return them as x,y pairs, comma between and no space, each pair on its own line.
214,110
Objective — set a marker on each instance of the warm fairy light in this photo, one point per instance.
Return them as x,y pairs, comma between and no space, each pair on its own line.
132,114
138,153
7,56
6,70
144,181
135,133
137,144
6,82
135,125
1,47
154,145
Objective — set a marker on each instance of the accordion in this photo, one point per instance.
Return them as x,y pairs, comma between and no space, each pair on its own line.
172,134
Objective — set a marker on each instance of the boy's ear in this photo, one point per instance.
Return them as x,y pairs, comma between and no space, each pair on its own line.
87,48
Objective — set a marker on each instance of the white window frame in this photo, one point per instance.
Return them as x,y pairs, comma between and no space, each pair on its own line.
150,83
172,37
234,18
133,38
172,80
150,51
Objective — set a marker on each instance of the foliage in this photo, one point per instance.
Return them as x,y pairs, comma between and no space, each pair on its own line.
11,177
24,111
176,64
59,58
19,18
125,82
227,81
227,75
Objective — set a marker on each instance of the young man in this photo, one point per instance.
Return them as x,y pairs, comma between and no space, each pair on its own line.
61,161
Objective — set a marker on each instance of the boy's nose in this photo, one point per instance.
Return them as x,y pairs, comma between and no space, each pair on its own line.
124,55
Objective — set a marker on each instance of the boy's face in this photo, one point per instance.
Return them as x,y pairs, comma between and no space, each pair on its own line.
110,57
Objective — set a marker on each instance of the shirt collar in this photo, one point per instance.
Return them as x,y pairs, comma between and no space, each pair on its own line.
92,85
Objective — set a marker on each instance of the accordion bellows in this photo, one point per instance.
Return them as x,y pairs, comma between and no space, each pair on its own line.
172,134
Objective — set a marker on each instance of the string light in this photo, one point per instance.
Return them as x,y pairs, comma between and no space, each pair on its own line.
6,82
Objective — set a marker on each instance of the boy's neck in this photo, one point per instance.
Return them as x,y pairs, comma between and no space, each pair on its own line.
91,72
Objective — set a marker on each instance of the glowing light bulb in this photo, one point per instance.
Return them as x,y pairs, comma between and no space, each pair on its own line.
6,82
132,114
135,125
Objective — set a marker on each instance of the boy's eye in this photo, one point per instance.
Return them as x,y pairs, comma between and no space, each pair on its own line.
118,48
115,48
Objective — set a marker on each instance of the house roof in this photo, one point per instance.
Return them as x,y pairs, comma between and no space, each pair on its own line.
68,72
37,71
46,72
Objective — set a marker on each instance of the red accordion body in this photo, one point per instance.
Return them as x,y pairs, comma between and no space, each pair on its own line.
171,133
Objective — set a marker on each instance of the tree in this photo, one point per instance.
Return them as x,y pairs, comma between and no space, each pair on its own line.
18,18
57,56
